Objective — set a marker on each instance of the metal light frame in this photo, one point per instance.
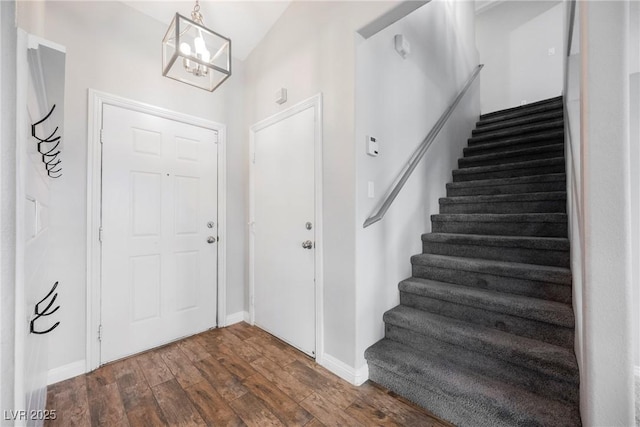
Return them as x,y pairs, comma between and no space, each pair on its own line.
196,76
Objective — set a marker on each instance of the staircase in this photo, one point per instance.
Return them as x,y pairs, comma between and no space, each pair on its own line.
484,332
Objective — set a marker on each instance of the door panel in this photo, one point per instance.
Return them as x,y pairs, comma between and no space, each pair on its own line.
158,270
284,202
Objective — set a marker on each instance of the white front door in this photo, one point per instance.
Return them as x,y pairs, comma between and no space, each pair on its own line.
159,217
283,222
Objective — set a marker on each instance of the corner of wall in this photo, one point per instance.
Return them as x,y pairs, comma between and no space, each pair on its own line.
67,371
348,373
240,316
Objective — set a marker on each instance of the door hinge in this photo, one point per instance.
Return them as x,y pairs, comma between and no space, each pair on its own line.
101,136
100,234
99,332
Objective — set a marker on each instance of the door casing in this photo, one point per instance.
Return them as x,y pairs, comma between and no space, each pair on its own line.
97,100
314,102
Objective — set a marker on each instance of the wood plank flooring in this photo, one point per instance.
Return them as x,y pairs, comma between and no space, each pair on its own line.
234,376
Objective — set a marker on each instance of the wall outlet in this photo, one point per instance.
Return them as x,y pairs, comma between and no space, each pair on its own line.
551,51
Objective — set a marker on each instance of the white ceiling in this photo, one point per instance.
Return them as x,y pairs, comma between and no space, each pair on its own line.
244,22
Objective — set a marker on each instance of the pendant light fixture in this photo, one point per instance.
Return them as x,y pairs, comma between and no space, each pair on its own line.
193,54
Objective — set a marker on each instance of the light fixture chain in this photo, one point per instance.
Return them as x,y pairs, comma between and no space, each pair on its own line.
196,15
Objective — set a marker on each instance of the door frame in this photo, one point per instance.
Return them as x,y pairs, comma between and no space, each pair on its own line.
314,102
97,101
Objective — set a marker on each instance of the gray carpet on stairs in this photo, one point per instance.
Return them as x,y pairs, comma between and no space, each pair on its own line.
484,332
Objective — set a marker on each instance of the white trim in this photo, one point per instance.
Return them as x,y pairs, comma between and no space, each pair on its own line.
21,313
346,372
314,102
65,372
97,101
362,375
240,316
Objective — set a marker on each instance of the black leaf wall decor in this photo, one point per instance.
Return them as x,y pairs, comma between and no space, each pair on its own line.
47,311
47,147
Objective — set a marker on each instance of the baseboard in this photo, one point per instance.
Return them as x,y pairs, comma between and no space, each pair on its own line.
362,374
65,372
344,371
241,316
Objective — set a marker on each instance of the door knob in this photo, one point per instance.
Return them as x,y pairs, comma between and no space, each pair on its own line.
211,239
307,244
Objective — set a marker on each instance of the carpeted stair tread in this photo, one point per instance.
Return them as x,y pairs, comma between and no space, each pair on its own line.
484,126
530,242
552,251
520,154
545,358
460,396
510,170
524,218
541,273
515,305
501,198
484,365
555,136
516,278
516,131
486,314
532,108
527,224
514,185
554,201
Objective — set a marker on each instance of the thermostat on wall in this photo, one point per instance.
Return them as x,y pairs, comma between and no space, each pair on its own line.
372,146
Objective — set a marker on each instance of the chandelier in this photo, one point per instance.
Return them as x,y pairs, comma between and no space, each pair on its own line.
194,54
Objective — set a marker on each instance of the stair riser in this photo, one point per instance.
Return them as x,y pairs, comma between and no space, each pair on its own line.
532,229
556,258
490,125
487,366
529,288
471,162
504,147
461,175
494,190
519,357
496,136
553,334
542,206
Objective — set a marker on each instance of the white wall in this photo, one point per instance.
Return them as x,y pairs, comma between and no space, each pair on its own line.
599,174
634,136
398,101
513,40
311,49
116,49
8,40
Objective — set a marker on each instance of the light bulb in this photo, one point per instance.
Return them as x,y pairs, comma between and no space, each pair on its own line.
200,46
206,56
185,48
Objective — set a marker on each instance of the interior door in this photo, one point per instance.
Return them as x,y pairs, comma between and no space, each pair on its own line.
284,229
159,222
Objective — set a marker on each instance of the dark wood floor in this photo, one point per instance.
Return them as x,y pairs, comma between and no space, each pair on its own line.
233,376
